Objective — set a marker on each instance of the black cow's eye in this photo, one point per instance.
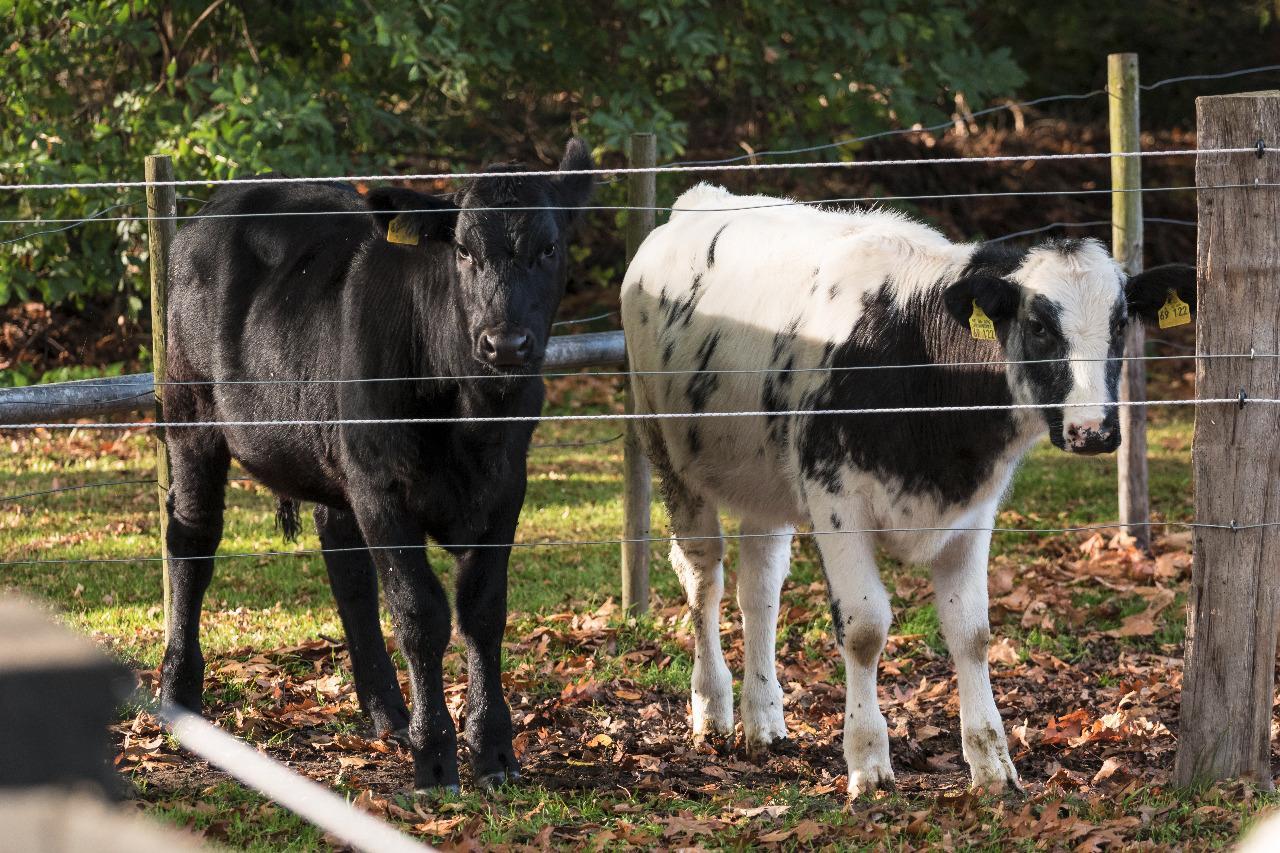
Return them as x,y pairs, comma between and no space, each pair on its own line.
463,254
549,251
1037,329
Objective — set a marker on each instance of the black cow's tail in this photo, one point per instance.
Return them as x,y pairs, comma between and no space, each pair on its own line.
287,519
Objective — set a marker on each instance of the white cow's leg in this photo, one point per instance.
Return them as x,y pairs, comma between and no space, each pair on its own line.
960,586
861,614
697,555
763,566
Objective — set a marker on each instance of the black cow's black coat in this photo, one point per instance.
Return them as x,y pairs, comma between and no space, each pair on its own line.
299,305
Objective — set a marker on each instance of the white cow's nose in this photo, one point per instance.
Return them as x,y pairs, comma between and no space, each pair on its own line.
1088,434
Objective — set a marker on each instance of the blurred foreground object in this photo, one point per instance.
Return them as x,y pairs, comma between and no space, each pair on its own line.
58,694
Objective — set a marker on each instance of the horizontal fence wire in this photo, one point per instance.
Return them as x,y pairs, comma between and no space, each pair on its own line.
102,484
643,416
904,131
1093,223
651,170
564,543
583,374
969,115
107,383
581,321
841,143
622,208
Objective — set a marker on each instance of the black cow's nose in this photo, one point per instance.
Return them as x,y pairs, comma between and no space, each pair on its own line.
503,348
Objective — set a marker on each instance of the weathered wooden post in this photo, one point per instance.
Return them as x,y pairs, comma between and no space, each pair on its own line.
1126,245
1225,729
162,206
637,486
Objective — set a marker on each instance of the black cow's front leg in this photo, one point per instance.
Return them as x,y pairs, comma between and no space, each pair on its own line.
482,618
354,581
420,614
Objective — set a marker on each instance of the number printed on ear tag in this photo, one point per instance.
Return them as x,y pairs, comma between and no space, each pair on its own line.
401,230
1174,312
980,325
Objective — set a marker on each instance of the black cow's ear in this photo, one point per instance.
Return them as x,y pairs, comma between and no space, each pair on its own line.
410,218
575,190
1147,292
997,297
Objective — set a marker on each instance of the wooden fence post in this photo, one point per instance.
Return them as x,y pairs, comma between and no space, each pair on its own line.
1225,729
637,485
162,206
1126,246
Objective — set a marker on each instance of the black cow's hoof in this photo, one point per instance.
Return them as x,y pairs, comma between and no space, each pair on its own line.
397,736
492,781
186,699
437,791
435,774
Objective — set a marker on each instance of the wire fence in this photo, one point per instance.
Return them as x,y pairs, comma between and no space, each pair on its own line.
731,164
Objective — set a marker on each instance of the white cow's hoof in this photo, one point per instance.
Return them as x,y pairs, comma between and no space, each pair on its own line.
712,716
990,767
763,723
994,776
867,780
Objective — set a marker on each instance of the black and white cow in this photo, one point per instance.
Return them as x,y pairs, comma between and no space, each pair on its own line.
789,303
314,301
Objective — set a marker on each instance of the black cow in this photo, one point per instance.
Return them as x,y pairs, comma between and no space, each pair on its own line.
464,285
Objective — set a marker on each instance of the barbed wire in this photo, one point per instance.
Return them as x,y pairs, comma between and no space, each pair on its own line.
558,543
647,170
641,416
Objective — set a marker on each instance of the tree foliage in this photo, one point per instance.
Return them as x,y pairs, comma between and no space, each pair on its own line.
231,88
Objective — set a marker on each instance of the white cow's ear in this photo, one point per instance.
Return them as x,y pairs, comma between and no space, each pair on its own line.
418,217
997,297
1148,291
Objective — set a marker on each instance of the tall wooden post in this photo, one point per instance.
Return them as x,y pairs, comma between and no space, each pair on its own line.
637,484
1126,245
1235,585
162,206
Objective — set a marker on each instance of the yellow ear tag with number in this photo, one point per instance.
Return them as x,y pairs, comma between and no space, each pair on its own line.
980,325
1174,312
400,230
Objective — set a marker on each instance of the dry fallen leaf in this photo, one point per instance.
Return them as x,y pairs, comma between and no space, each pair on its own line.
1003,651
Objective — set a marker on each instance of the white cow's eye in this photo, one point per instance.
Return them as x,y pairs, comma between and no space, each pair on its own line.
1037,329
463,254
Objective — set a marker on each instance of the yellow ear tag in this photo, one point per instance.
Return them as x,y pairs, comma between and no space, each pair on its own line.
401,230
1174,312
980,325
